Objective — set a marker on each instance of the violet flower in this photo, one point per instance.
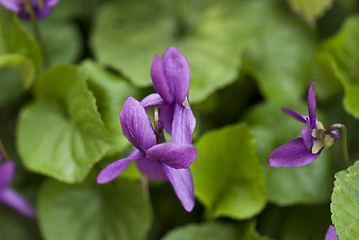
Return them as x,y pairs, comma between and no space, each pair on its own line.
304,150
41,8
164,161
331,233
8,196
171,80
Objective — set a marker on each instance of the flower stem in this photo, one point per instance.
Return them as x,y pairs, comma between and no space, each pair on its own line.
3,151
144,184
344,140
159,132
30,10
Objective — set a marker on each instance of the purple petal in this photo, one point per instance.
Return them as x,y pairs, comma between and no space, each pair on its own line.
152,169
183,125
42,12
177,73
166,114
111,171
51,3
295,115
335,134
307,136
292,154
172,154
311,106
159,80
0,156
16,201
182,183
136,125
331,233
12,5
7,170
151,100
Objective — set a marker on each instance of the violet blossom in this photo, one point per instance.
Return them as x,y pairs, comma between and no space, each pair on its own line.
171,80
304,150
164,160
10,197
41,8
331,233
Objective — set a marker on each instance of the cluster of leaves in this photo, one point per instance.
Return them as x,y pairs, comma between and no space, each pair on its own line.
248,59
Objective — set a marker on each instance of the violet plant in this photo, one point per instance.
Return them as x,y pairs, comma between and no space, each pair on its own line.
331,233
155,157
25,8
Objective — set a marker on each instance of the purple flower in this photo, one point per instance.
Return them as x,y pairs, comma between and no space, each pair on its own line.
304,150
331,233
171,80
164,161
42,8
8,196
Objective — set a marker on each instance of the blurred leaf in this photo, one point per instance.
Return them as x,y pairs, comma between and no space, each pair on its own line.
344,49
310,10
345,202
215,231
117,210
213,36
14,226
226,173
286,186
16,40
60,133
22,65
110,91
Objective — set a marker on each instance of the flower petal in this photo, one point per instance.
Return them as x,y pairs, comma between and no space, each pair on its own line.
159,80
182,183
307,136
111,171
12,5
331,233
136,125
152,169
151,100
166,114
295,115
16,201
177,73
172,154
51,3
183,125
292,154
42,12
312,106
7,170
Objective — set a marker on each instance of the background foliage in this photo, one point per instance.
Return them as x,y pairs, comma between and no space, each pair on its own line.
248,59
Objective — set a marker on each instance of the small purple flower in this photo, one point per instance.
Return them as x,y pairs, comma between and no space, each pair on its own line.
8,196
171,80
304,150
42,8
164,161
331,233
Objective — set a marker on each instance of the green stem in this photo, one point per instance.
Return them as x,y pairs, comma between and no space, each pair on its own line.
344,141
29,9
3,151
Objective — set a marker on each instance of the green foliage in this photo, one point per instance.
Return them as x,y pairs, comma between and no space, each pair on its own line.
345,203
310,10
307,184
214,36
215,231
117,210
60,133
226,173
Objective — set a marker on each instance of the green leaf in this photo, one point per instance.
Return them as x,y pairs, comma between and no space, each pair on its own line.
310,10
287,186
344,51
22,65
110,91
345,202
215,231
14,39
213,36
227,176
117,210
60,133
